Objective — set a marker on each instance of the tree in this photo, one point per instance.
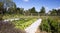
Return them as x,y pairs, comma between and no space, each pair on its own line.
11,7
53,12
26,12
42,11
4,4
5,26
32,10
58,12
20,10
9,4
1,10
1,7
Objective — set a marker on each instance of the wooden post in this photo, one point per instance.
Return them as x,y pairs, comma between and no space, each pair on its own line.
38,14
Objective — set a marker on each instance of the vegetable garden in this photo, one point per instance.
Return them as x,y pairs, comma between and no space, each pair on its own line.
50,24
23,22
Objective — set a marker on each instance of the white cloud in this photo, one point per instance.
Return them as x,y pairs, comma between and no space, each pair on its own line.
47,9
57,8
26,0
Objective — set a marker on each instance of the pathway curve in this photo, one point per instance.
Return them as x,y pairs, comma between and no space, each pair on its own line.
33,27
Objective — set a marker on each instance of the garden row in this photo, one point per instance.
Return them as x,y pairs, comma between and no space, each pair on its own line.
50,24
23,22
8,16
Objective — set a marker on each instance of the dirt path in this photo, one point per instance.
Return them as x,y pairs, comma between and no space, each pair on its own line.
33,27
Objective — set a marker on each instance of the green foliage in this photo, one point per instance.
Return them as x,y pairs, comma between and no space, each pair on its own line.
58,12
53,25
1,10
8,6
42,10
53,12
19,10
50,25
23,23
44,25
1,5
32,10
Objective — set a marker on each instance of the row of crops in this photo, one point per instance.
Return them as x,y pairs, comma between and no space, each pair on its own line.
23,22
50,25
7,16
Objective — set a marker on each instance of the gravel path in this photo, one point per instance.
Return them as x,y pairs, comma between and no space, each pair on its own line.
33,27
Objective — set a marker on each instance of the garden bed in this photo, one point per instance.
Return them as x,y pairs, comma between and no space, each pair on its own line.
23,22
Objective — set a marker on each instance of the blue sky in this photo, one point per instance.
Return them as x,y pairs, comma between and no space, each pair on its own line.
48,4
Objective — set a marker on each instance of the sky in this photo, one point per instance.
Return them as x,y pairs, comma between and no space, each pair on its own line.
48,4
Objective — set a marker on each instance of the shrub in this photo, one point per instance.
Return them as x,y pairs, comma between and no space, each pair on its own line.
44,25
51,25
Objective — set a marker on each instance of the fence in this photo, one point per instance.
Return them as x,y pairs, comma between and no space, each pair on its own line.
41,14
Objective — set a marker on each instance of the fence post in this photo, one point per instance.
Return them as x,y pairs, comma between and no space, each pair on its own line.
38,14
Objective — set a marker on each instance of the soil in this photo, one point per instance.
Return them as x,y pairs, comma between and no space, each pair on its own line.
39,31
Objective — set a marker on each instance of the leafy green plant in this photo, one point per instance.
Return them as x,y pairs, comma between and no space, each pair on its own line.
50,25
44,25
23,23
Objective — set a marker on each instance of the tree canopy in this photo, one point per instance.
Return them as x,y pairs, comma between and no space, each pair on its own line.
53,12
42,10
58,12
32,10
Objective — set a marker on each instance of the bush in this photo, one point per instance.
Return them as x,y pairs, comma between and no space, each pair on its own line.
8,27
51,25
44,25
